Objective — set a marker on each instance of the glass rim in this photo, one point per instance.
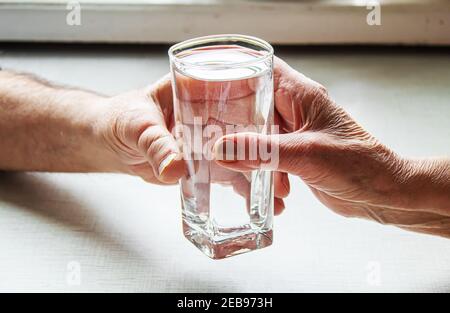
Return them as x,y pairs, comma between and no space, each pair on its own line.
222,37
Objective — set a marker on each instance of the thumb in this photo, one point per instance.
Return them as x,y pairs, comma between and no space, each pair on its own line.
162,152
248,151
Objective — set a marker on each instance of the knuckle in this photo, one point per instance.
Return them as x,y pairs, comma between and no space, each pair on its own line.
319,93
152,140
134,125
129,125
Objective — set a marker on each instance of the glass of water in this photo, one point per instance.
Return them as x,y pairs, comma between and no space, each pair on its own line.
223,84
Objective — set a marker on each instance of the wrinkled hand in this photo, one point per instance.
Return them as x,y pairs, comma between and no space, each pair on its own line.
346,168
137,126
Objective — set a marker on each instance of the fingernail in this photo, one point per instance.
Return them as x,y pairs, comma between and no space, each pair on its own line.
224,151
165,163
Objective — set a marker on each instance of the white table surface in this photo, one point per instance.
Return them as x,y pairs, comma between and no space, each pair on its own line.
126,235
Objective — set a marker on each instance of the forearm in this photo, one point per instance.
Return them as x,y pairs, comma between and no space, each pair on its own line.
48,128
427,186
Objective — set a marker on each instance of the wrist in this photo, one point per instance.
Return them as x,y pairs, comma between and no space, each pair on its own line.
98,154
427,184
50,128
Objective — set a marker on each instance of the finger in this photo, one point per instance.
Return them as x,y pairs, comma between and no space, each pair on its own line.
161,150
162,94
278,206
161,91
294,95
249,151
286,76
145,171
281,183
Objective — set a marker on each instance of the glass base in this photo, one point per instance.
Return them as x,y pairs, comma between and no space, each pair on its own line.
229,243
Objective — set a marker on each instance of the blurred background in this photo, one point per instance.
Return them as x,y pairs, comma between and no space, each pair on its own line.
280,22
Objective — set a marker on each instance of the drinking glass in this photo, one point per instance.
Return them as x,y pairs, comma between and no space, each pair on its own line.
223,84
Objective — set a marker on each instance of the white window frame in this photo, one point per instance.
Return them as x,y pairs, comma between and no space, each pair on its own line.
280,22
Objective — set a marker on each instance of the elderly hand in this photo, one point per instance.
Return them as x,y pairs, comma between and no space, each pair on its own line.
346,168
137,126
